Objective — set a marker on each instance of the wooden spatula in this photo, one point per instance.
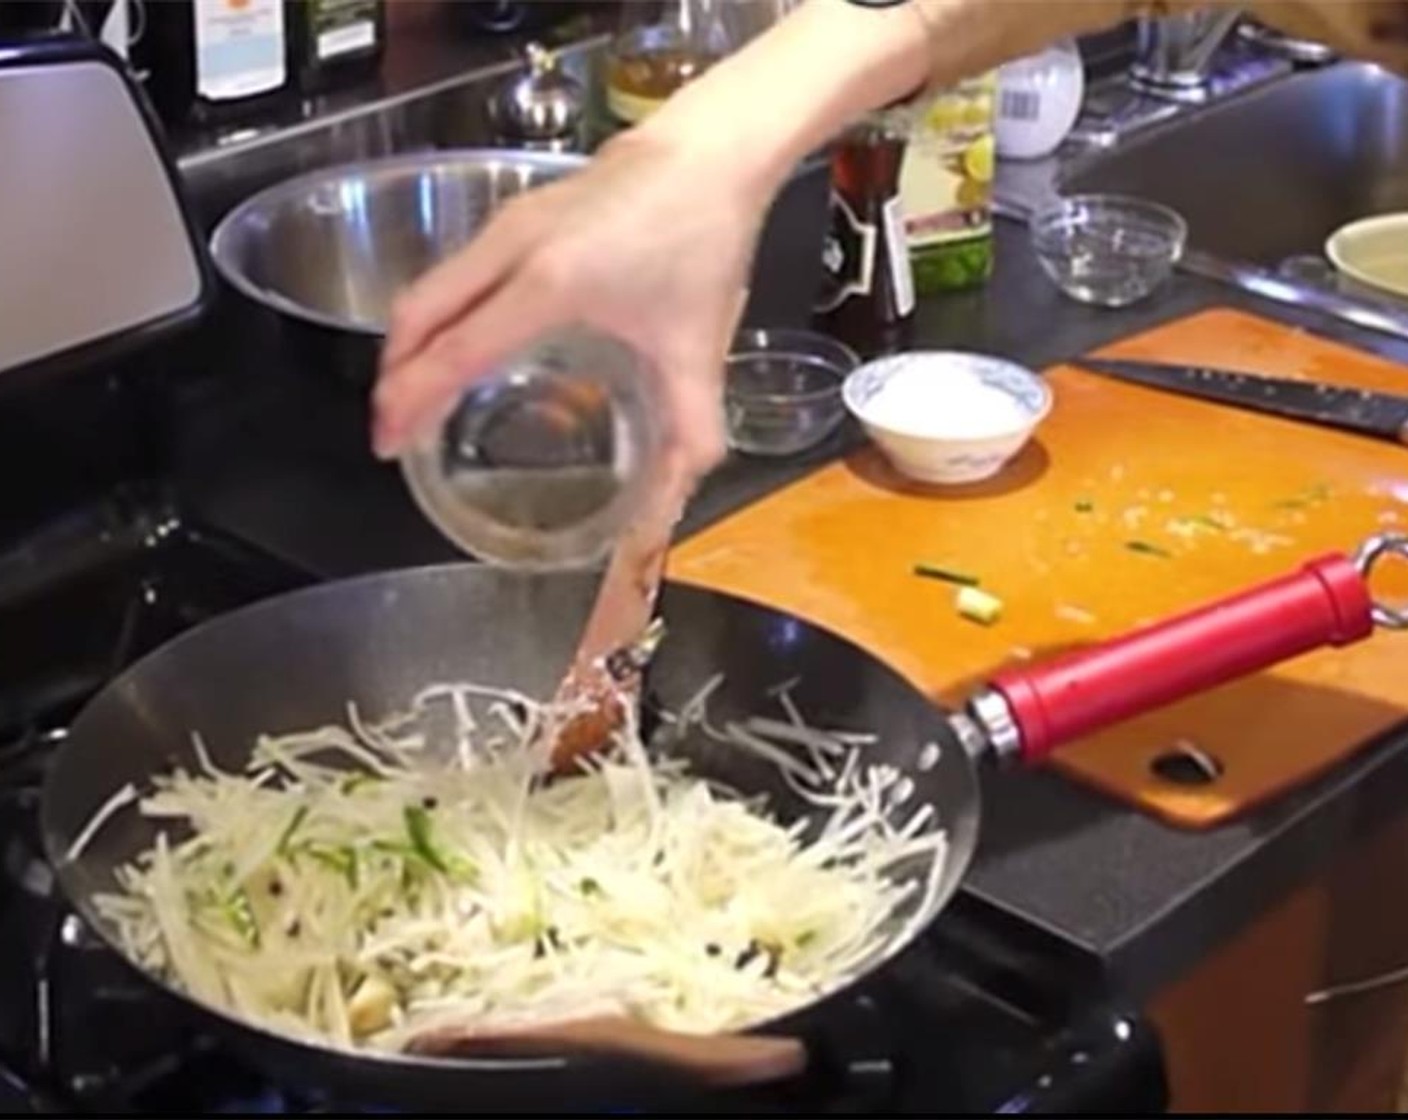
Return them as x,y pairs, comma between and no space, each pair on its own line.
720,1061
616,644
605,689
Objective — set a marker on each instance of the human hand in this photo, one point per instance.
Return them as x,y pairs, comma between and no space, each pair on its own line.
651,243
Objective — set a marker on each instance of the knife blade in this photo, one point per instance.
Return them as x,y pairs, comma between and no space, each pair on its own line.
1363,411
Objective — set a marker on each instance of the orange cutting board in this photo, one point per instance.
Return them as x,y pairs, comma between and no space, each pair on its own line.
1230,496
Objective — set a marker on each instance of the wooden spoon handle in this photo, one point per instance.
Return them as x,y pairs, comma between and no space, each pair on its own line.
623,610
719,1061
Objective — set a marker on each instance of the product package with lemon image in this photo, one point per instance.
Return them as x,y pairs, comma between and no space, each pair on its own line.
946,187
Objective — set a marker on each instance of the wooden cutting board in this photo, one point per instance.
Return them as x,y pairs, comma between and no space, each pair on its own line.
1230,496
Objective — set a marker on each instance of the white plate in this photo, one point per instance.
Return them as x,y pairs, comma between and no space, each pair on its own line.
1373,251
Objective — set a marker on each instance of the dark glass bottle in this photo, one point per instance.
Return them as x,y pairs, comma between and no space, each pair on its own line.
337,42
868,284
208,62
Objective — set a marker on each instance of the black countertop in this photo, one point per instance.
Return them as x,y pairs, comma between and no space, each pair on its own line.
277,452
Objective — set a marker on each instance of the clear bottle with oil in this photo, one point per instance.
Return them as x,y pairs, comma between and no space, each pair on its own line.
660,47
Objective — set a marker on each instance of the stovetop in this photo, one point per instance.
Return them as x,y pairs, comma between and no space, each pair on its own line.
986,1014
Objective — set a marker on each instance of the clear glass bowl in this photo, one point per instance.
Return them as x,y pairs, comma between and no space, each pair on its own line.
1108,250
782,393
541,466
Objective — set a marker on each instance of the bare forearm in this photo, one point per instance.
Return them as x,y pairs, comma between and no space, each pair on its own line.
830,61
788,92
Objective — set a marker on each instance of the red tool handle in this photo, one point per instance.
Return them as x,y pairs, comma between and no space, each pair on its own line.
1327,603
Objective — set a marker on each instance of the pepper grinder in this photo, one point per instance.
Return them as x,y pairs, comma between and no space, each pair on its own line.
540,108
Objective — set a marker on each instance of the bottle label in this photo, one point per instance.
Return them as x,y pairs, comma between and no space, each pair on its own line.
343,27
901,272
1022,105
848,256
946,177
240,48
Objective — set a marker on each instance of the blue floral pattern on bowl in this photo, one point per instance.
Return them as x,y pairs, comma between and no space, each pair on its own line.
947,459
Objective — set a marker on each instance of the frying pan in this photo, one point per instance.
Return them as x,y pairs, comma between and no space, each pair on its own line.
293,662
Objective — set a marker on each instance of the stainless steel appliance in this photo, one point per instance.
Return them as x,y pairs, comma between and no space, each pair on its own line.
95,200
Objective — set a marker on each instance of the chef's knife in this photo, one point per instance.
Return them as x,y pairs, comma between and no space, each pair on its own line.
1383,415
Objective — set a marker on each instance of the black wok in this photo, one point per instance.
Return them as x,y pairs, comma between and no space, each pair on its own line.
293,662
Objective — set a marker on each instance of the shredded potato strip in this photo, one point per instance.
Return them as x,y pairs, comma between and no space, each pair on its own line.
357,885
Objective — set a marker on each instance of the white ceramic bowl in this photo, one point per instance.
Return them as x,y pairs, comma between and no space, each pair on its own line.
945,433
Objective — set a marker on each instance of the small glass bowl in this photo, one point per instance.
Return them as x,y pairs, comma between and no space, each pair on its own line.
540,467
782,393
1105,249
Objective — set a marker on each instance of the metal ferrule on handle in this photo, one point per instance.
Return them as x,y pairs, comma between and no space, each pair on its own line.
1030,712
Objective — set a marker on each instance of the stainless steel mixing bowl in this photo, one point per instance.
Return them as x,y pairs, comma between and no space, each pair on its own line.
334,247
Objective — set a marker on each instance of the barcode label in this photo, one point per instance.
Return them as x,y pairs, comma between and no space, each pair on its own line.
1020,104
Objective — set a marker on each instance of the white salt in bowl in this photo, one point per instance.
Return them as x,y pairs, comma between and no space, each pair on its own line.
946,416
